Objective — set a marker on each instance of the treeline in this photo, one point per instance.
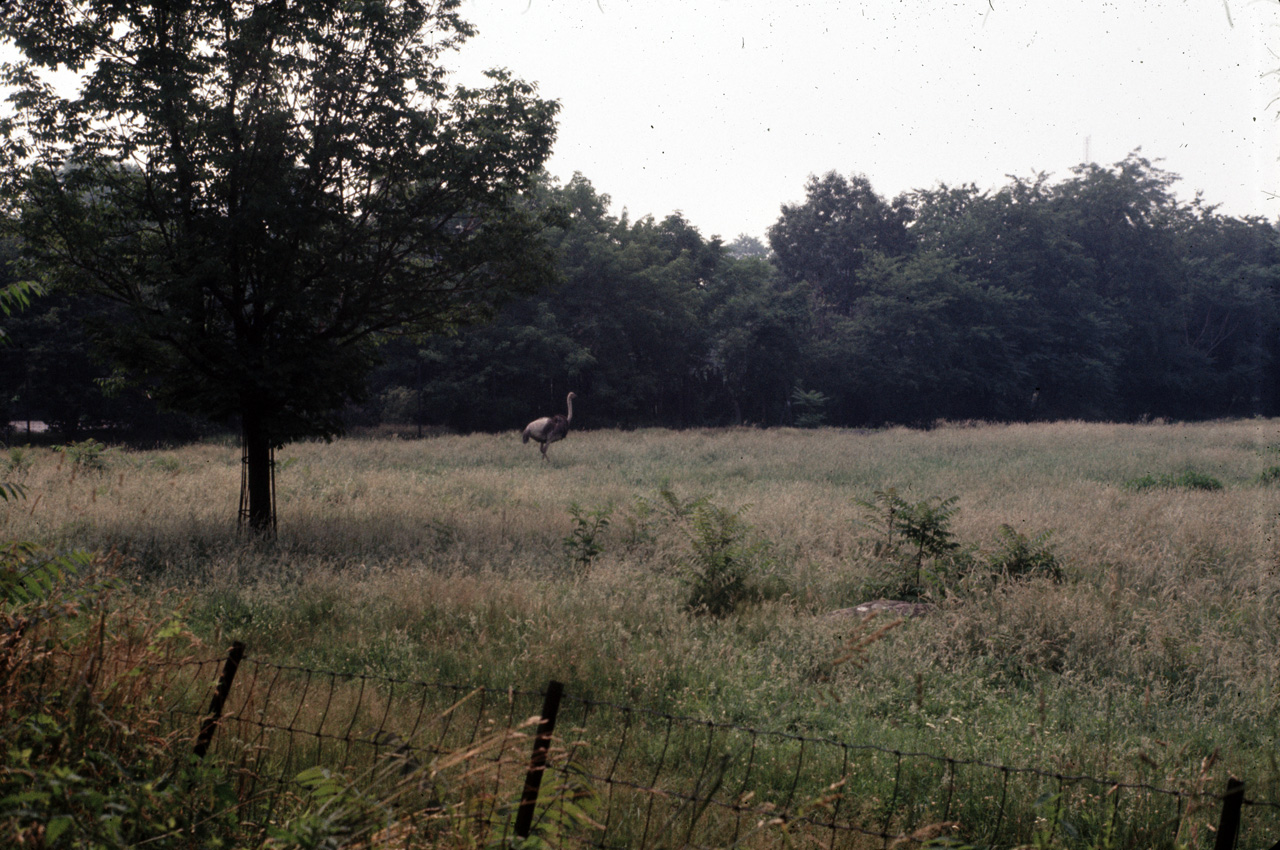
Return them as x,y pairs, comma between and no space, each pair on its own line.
1098,296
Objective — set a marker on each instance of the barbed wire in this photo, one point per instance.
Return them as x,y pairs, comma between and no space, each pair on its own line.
662,778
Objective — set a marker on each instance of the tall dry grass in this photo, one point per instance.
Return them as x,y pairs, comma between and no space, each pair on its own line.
445,559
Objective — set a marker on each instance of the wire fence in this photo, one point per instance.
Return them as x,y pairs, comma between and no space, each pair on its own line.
599,774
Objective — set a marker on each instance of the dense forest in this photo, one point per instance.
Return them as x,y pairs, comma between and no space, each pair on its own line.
1097,296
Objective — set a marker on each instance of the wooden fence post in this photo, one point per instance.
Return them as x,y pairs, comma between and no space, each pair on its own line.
538,762
1229,823
210,723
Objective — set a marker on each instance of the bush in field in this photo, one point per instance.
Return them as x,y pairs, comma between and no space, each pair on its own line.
1187,480
922,558
726,565
918,547
583,545
89,455
1019,556
649,516
19,460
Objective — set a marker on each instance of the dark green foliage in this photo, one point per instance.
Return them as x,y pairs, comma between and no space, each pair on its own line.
676,507
583,544
1269,476
724,566
565,814
14,297
920,557
1098,296
335,812
1019,556
290,185
29,576
928,342
809,407
85,762
652,325
115,788
1186,480
50,372
842,225
916,534
648,516
88,455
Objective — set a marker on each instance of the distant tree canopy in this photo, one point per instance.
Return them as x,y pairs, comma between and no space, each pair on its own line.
1100,296
1097,296
259,191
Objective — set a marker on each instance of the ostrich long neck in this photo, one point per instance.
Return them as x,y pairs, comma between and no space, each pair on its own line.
569,401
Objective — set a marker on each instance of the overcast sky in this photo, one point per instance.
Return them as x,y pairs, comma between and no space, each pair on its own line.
721,109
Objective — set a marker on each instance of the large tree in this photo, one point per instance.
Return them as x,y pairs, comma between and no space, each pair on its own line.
268,186
842,224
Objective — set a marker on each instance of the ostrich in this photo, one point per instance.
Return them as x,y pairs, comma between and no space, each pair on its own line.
548,429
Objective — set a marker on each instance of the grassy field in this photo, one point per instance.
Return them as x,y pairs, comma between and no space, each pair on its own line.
1153,645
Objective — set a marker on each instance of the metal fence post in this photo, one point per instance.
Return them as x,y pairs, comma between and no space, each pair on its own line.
1229,823
538,762
220,693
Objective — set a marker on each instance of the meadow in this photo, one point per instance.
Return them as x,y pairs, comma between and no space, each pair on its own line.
1106,602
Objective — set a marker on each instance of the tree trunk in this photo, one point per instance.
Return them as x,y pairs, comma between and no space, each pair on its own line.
257,501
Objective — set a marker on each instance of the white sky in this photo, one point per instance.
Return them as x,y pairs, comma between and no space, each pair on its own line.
722,109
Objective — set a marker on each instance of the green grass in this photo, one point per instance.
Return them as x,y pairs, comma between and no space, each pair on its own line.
1153,642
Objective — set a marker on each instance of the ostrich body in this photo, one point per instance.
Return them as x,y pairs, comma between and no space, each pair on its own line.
548,429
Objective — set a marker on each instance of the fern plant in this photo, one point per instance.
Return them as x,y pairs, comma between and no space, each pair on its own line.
913,532
723,568
809,407
28,575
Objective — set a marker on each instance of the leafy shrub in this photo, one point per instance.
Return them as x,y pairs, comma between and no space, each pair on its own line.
85,762
676,507
29,577
400,404
89,455
725,567
1019,556
809,407
1187,480
913,533
19,460
168,464
1269,476
582,545
648,516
